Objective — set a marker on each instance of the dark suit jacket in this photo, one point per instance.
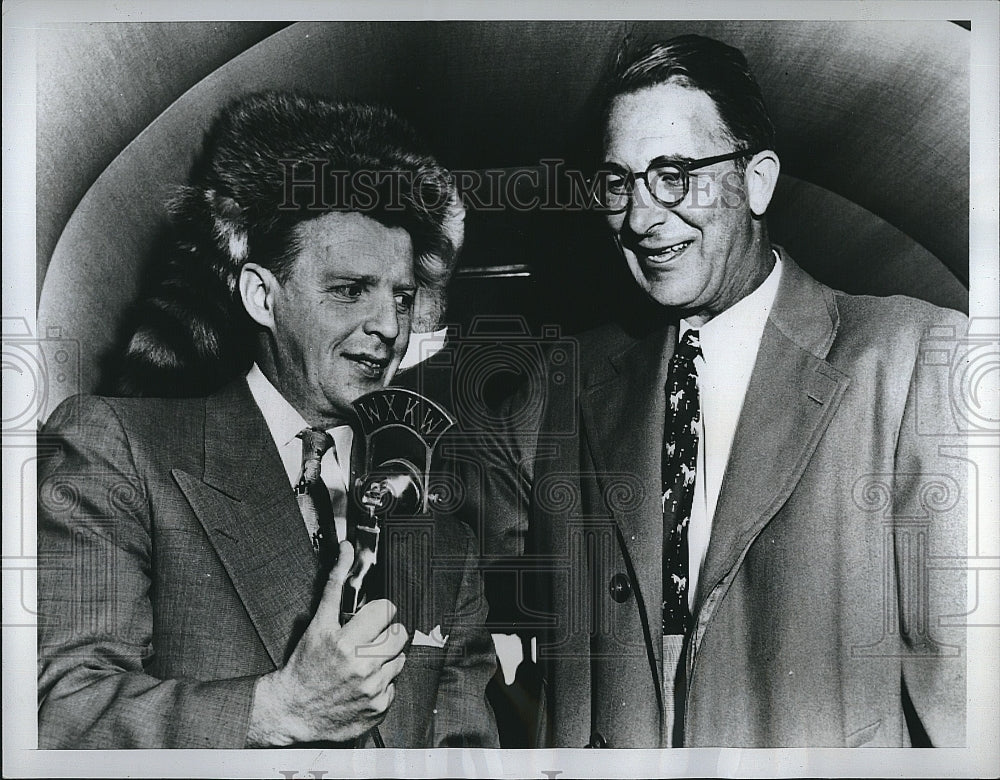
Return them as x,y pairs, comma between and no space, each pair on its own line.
463,381
831,599
174,569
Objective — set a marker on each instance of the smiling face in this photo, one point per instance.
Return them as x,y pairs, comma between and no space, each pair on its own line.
339,324
708,251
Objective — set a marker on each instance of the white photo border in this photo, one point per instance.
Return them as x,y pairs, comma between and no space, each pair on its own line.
21,759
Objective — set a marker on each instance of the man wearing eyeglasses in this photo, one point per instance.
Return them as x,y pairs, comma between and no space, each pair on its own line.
740,536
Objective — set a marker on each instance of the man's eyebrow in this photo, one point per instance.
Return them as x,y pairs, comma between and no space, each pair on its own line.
370,280
333,278
664,159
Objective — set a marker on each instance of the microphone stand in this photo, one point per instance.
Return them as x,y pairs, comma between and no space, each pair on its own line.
366,539
401,429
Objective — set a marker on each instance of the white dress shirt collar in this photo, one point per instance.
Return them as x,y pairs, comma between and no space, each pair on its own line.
735,334
284,422
283,419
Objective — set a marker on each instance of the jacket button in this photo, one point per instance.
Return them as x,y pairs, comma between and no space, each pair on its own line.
597,740
620,588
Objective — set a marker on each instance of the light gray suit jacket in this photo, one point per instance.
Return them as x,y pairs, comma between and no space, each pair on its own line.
830,606
174,569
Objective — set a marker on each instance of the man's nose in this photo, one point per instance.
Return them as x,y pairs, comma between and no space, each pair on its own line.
383,318
643,211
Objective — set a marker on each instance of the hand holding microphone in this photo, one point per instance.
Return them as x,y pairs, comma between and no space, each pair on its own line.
338,682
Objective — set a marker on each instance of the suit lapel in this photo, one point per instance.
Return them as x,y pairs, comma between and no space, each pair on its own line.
623,411
792,396
246,506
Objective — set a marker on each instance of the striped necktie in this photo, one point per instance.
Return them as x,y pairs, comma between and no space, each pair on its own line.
313,497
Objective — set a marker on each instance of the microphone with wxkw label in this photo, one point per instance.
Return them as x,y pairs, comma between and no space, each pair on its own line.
401,429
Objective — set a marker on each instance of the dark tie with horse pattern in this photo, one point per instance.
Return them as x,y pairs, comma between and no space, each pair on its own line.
680,458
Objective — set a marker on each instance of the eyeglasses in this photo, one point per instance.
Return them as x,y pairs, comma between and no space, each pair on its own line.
667,181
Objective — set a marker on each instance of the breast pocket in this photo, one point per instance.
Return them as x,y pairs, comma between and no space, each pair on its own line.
425,656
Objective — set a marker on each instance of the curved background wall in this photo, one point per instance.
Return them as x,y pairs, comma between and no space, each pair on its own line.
873,125
99,85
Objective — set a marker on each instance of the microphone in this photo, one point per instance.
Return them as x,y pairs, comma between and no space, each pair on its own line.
400,430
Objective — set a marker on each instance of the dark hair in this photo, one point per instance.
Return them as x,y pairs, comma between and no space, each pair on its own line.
697,62
269,162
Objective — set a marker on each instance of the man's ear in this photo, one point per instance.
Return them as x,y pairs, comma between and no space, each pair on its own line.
762,177
257,291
